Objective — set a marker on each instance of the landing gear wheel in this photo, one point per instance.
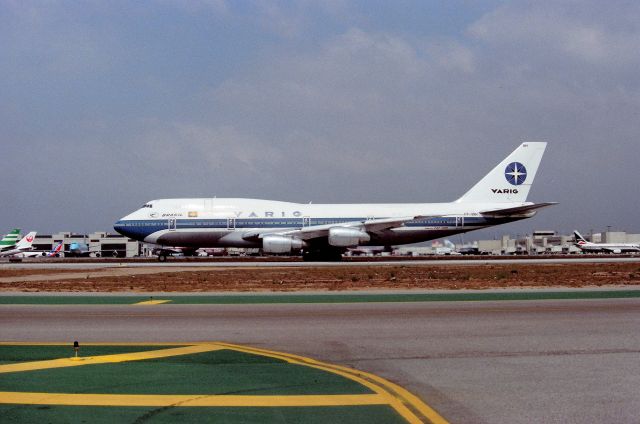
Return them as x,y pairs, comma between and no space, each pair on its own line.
334,256
308,256
162,257
322,255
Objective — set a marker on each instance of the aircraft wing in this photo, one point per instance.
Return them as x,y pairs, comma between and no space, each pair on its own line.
518,210
317,231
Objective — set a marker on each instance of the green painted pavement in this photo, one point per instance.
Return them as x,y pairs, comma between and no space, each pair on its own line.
55,414
216,372
320,298
71,300
23,353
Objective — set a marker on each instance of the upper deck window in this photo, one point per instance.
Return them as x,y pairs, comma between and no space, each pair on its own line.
147,205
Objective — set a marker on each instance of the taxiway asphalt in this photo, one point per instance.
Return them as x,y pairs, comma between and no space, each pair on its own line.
474,362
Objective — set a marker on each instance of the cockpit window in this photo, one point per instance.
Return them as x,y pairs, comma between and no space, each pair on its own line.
147,205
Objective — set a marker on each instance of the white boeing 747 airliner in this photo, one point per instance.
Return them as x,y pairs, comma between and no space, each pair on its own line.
325,231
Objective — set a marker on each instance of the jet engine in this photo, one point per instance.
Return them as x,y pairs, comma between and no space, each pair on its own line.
280,244
346,237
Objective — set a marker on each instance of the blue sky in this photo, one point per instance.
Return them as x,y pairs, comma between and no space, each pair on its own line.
106,105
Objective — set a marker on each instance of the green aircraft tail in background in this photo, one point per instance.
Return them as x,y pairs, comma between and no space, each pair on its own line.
10,239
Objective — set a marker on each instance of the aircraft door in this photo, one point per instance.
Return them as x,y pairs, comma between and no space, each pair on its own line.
306,221
172,224
459,221
231,223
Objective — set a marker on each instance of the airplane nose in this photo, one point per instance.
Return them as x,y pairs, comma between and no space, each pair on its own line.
121,228
132,229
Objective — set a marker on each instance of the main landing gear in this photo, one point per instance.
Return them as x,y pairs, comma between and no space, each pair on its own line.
326,254
163,254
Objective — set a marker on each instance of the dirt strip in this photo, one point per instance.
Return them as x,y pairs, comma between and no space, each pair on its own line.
51,275
283,279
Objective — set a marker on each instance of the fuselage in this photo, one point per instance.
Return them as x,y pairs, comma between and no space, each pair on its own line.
220,222
609,247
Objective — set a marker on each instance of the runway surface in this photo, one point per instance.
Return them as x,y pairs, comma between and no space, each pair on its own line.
474,362
93,263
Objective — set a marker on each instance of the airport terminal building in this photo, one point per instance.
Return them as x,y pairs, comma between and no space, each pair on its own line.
110,245
537,243
98,244
549,242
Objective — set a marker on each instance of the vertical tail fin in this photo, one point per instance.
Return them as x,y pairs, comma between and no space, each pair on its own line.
26,241
10,239
56,250
511,180
578,237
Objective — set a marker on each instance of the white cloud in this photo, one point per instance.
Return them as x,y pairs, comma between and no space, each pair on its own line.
221,148
367,106
453,56
554,29
369,115
42,36
216,7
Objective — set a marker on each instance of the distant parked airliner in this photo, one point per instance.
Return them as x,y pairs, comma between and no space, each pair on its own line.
589,247
24,245
325,231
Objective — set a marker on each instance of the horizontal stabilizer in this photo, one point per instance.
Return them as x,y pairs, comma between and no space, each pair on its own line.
518,210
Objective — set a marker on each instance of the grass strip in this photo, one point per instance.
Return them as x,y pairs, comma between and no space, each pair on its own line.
320,298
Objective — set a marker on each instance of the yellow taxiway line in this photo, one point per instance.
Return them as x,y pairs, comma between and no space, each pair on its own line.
152,302
189,400
409,406
405,403
107,359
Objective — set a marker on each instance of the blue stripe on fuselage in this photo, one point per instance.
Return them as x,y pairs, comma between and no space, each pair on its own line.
139,229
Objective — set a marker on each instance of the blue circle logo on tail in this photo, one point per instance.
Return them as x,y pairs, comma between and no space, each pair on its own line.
515,173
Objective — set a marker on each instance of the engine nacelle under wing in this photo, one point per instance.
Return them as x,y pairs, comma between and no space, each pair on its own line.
280,244
347,237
